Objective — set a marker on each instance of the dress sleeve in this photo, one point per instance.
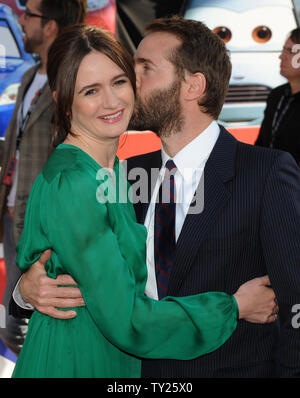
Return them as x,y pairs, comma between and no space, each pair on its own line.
83,242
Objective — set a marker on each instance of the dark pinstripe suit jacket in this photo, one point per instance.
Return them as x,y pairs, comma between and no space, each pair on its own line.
250,226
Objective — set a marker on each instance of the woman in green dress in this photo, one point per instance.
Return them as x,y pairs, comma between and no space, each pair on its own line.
77,209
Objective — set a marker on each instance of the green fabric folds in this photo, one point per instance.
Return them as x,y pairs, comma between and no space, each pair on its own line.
102,246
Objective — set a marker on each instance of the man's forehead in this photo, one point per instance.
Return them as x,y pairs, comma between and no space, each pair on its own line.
156,44
289,43
33,4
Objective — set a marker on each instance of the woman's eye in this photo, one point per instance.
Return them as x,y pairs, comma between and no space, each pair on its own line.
224,33
90,92
120,82
261,34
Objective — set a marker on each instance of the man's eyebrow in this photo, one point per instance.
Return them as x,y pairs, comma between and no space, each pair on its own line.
140,60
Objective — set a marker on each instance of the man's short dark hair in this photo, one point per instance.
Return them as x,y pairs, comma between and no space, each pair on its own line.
295,36
64,12
201,50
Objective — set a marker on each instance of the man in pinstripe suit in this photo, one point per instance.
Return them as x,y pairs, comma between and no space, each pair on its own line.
249,224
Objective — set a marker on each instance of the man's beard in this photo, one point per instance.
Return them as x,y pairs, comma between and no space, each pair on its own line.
30,44
160,112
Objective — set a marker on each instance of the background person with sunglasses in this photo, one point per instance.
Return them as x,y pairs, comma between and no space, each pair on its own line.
28,137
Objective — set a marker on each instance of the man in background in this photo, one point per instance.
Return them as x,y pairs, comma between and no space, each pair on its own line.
280,127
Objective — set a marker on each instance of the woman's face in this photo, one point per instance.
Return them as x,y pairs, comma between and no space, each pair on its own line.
103,99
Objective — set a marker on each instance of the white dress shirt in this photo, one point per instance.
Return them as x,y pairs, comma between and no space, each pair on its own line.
190,162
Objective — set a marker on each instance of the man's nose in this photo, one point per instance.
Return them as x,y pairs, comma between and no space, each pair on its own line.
138,83
137,77
21,19
282,55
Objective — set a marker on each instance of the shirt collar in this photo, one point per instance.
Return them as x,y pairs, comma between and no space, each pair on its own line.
195,154
288,93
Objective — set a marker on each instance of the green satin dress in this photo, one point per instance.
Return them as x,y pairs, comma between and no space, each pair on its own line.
79,210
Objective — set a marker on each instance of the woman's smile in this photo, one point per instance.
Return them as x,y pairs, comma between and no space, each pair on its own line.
113,117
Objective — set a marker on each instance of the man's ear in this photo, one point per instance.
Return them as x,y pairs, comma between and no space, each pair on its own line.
195,85
54,95
51,28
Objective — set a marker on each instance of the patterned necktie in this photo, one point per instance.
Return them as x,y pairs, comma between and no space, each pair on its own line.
164,230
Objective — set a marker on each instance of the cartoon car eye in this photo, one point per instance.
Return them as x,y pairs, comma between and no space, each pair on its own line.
224,33
261,34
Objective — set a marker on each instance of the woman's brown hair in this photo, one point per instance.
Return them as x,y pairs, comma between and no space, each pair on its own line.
64,58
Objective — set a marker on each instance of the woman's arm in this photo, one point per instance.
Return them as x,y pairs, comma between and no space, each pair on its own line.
84,245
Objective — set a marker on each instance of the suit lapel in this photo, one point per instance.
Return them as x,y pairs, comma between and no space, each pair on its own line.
43,103
152,167
44,100
12,131
218,170
27,79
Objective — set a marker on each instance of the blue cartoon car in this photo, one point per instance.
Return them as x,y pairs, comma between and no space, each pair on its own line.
14,61
254,32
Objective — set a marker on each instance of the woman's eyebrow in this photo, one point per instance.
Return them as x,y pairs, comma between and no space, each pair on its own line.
98,84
